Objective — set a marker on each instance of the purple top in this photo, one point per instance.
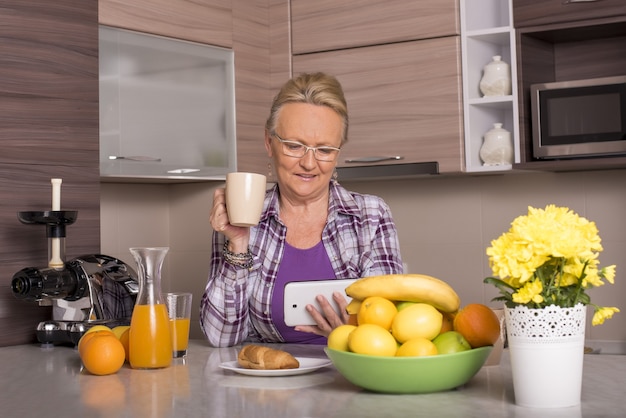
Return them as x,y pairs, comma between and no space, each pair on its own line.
299,265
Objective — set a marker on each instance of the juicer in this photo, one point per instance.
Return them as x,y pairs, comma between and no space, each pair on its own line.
85,291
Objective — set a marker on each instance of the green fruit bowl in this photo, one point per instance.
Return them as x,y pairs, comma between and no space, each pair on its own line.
409,374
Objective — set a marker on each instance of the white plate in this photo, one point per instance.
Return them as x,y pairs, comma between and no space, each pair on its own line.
307,365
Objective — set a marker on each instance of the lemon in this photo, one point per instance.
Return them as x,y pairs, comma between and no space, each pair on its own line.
119,330
373,340
418,320
377,310
416,347
338,338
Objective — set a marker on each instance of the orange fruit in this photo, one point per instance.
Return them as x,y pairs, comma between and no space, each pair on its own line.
89,335
447,322
373,340
124,339
417,320
416,347
338,338
478,323
102,354
378,311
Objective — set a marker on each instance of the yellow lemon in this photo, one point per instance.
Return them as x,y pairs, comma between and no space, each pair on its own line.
338,338
373,340
416,347
418,320
376,310
119,330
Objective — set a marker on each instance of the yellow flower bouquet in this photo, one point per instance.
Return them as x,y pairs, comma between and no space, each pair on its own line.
549,257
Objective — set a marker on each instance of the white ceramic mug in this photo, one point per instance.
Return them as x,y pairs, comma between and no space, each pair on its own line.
245,193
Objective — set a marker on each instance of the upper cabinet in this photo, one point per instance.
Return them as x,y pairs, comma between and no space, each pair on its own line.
324,25
563,41
542,12
166,108
399,63
487,33
403,99
204,21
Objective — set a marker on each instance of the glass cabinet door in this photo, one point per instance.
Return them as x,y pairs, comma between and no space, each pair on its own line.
166,108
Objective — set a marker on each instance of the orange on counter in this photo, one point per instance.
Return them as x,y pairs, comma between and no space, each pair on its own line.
102,353
478,323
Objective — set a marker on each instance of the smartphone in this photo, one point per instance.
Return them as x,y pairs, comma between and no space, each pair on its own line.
300,294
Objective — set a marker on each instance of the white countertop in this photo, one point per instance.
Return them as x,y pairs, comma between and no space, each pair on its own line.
38,381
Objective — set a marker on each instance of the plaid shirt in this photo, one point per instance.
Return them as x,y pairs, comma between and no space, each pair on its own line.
360,238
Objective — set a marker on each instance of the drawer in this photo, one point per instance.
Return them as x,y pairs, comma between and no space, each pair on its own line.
542,12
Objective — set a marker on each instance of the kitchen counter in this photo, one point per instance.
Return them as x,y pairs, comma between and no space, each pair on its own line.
38,381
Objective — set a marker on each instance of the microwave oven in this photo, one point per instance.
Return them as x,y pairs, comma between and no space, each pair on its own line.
580,118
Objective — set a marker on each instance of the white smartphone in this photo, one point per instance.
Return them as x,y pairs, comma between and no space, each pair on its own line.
300,294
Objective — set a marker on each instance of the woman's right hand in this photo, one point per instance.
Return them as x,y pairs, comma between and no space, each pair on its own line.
238,236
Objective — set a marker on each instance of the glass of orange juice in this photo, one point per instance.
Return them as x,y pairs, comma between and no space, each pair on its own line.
179,312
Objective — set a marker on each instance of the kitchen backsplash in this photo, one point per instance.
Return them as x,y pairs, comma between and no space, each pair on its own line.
445,224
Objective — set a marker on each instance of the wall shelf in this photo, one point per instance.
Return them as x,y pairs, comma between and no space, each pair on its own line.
487,31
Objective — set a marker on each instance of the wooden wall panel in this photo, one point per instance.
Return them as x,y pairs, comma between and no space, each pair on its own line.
255,66
48,129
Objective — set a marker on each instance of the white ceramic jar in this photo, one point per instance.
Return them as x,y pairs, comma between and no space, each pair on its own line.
497,148
496,80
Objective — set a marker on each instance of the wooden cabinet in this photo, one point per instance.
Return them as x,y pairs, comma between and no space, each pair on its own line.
205,21
568,46
49,129
324,25
404,100
541,12
399,65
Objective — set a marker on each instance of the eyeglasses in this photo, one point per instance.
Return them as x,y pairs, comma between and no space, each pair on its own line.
298,150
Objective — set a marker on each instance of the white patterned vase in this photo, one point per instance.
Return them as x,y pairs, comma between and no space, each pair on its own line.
546,348
496,79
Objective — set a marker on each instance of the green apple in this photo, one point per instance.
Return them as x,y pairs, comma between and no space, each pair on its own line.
403,304
451,342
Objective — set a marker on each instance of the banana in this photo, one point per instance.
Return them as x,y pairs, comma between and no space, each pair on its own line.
406,287
354,306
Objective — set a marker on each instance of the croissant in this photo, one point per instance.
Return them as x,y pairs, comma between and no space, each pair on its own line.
264,358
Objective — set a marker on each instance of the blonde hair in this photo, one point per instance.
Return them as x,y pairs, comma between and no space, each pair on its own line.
315,88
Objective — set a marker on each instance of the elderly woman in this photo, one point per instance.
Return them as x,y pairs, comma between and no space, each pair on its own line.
311,227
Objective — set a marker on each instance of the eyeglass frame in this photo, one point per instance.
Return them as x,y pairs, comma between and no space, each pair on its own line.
306,147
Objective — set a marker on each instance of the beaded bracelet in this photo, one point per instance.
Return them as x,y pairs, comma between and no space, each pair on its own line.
243,260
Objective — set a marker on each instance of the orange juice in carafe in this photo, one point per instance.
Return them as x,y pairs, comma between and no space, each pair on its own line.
150,342
150,337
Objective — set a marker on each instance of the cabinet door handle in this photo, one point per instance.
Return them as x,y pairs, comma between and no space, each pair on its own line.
134,158
577,1
374,159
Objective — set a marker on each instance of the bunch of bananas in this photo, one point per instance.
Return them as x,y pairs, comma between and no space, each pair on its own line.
404,287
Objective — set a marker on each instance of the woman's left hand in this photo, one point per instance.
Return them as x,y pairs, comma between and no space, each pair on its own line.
327,320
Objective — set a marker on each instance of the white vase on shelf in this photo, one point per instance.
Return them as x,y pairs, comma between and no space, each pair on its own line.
497,148
496,80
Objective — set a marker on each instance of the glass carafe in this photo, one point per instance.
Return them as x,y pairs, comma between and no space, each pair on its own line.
150,343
